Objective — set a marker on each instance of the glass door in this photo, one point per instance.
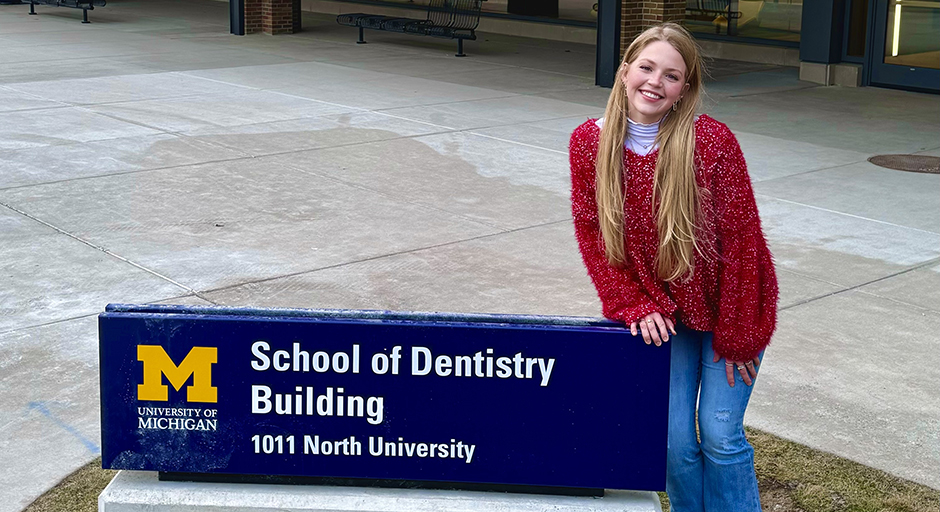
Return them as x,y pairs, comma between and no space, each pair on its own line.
906,50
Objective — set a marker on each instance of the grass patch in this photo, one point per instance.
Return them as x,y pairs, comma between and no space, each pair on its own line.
791,478
814,481
794,478
77,493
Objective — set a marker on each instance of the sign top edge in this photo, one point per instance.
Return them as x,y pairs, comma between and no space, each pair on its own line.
362,314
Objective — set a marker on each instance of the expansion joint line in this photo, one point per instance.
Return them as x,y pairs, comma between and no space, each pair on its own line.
845,214
861,285
389,255
100,248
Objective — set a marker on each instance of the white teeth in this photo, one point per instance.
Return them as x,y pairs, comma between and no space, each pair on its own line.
650,95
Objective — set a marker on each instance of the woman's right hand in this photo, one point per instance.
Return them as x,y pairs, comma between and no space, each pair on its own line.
654,328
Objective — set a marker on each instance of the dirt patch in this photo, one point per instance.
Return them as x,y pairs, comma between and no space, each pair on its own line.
777,496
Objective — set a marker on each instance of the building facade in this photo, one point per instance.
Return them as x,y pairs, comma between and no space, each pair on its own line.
888,43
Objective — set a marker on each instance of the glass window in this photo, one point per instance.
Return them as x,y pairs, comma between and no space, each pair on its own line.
777,20
571,10
913,33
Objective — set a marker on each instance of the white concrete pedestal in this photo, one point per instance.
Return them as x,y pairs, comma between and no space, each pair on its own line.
139,491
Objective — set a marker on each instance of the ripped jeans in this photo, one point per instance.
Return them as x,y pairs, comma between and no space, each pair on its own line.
716,475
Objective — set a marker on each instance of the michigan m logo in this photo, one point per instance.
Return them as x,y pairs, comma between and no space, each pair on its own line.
197,363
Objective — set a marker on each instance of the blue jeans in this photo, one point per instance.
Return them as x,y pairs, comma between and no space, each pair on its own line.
716,475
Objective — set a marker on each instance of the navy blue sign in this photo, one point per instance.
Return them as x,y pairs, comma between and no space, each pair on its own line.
491,399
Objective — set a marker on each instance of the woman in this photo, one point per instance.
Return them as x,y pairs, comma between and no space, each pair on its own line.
667,225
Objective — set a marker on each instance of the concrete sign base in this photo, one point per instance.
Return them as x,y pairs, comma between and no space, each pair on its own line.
138,491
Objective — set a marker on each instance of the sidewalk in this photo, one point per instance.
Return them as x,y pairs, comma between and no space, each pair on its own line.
152,157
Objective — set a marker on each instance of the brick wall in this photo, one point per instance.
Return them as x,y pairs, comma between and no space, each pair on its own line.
638,15
252,16
277,17
272,16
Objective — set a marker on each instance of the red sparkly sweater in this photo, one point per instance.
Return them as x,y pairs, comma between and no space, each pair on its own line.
732,293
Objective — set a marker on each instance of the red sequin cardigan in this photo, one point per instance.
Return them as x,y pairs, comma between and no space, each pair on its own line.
732,293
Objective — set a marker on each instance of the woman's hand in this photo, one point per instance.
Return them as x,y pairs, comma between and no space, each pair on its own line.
747,369
653,327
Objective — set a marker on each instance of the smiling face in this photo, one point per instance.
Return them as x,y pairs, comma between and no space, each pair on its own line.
654,81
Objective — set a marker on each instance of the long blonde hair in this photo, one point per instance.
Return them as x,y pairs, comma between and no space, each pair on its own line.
674,183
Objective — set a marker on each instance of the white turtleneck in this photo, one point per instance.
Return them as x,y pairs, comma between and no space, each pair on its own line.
641,138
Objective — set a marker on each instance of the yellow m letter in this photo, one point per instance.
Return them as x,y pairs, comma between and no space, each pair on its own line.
157,363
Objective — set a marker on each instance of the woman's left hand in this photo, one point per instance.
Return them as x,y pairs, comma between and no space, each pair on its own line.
747,369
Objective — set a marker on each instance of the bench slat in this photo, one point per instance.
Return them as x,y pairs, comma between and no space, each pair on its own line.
452,19
75,4
457,14
712,8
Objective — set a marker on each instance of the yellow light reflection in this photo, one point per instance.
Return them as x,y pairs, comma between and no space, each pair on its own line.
897,29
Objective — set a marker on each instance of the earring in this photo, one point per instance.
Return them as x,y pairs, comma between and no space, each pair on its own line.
675,106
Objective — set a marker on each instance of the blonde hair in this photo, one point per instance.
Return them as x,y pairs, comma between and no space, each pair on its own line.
674,182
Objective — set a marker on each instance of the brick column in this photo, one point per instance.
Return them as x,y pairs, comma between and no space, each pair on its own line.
639,15
272,16
277,16
252,16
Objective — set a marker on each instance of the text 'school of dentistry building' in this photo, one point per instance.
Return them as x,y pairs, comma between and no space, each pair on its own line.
887,43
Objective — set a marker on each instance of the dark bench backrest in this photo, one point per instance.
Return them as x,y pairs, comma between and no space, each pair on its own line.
709,5
459,14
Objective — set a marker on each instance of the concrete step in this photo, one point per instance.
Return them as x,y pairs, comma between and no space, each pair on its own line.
138,491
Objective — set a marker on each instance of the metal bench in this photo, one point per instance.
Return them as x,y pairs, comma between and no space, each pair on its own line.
451,19
84,5
712,8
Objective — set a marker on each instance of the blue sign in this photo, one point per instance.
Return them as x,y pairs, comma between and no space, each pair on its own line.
487,399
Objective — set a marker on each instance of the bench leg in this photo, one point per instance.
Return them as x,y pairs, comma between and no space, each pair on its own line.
460,52
85,16
32,9
361,39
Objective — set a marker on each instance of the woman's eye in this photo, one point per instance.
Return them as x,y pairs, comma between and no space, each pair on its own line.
672,77
646,68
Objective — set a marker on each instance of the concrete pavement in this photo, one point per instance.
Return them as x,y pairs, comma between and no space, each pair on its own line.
151,157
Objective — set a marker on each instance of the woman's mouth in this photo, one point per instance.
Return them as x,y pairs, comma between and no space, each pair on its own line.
651,95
